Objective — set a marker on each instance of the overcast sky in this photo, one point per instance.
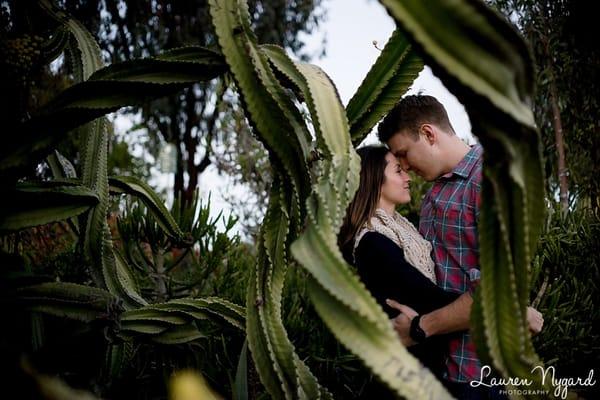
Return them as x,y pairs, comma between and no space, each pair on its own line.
350,28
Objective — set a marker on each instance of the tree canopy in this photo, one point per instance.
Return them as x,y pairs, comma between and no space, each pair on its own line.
195,120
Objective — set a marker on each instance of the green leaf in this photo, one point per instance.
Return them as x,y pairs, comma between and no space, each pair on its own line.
39,203
161,318
67,300
240,387
323,102
136,187
338,295
317,90
109,269
90,52
329,117
214,308
55,45
178,335
151,313
107,90
60,166
386,82
118,274
277,123
116,360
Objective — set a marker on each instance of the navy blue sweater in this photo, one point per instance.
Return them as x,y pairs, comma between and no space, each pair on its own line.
386,273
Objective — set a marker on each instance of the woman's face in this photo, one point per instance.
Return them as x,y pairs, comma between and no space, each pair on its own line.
396,185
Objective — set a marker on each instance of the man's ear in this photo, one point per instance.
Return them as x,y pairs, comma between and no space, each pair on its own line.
429,133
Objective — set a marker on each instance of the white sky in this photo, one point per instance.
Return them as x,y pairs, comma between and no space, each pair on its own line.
350,28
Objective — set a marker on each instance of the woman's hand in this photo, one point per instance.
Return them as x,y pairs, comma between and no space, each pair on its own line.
402,321
535,320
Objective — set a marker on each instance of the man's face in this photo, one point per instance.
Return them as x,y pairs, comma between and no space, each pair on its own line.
418,156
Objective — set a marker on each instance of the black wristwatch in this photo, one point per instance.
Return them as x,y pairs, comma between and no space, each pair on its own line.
416,333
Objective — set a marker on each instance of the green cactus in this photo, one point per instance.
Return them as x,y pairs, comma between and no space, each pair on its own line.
476,54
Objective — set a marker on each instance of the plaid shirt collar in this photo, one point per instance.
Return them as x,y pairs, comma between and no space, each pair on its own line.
465,166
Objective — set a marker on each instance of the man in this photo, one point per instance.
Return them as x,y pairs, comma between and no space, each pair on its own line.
418,132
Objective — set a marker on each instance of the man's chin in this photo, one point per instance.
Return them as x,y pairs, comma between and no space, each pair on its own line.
424,176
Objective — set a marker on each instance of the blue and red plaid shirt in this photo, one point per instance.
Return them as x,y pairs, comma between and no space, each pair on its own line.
449,221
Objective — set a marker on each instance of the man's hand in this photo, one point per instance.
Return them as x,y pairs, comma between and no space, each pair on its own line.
402,321
535,320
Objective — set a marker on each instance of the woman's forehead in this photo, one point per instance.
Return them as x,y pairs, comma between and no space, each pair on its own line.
391,159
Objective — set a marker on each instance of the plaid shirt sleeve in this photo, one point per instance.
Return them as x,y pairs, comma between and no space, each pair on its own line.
449,221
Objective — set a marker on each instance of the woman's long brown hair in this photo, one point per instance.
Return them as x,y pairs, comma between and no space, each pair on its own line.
366,199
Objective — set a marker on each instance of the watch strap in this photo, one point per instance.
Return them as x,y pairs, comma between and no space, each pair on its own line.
416,333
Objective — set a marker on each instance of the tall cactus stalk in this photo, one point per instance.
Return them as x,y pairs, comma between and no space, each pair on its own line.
487,64
344,303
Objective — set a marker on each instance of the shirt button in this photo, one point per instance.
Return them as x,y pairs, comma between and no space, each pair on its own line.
474,274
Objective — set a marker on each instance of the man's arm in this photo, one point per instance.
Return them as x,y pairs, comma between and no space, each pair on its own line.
451,318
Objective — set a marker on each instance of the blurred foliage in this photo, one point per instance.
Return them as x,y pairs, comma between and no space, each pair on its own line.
190,385
122,162
566,288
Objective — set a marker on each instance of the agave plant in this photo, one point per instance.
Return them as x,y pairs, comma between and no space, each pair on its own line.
170,270
477,54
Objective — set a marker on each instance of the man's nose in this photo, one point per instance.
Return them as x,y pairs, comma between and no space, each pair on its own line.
404,164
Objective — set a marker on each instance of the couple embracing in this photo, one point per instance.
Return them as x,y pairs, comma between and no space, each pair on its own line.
423,278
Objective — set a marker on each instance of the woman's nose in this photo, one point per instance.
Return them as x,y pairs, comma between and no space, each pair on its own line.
406,175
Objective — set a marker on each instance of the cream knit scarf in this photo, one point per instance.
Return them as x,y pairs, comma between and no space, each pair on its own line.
417,250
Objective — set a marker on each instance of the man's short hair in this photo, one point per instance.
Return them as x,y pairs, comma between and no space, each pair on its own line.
410,113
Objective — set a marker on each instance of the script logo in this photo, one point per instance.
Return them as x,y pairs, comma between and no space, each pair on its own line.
548,375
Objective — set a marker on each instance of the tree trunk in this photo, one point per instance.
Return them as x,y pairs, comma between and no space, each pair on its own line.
556,120
560,147
190,144
178,185
161,277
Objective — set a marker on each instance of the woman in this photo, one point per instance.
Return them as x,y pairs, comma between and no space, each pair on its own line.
392,258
